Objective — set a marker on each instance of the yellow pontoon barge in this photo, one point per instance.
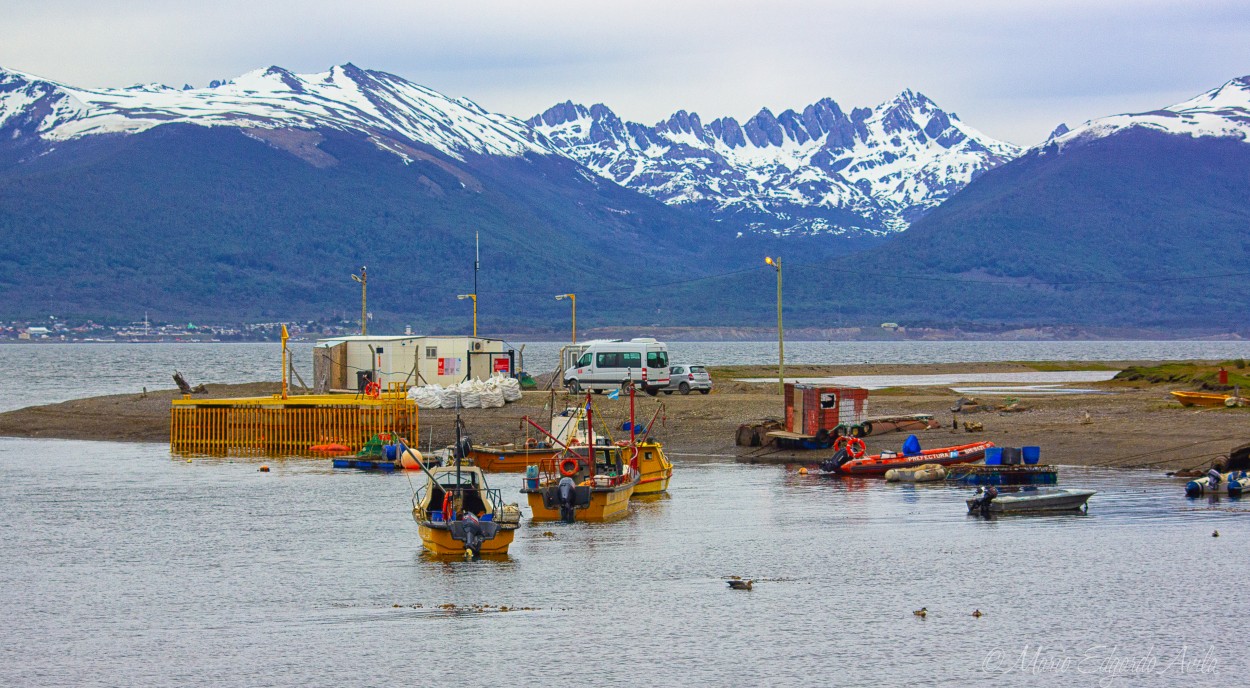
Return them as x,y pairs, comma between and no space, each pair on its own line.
287,427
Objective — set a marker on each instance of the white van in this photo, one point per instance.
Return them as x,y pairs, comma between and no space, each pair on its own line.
607,365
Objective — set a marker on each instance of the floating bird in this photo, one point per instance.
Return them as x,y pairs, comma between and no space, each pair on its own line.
922,612
976,613
739,584
1215,534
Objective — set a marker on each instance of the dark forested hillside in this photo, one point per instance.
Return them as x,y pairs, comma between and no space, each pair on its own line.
210,223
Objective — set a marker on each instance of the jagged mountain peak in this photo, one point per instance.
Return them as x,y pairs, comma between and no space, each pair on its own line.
874,168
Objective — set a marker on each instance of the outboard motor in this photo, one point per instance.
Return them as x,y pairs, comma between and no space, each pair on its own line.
834,463
567,490
473,532
473,535
983,499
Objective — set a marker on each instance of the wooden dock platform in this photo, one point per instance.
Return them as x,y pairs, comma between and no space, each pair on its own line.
1002,474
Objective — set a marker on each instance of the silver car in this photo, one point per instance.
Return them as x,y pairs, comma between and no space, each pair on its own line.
684,378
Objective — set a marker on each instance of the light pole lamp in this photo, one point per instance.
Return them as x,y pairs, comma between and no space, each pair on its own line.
781,338
363,278
573,298
462,297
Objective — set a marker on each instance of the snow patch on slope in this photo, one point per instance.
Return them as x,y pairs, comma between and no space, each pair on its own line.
1222,112
345,98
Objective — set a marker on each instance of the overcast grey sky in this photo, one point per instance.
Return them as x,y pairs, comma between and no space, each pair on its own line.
1012,68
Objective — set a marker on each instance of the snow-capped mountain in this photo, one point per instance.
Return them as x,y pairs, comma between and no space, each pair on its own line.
1222,112
389,109
816,171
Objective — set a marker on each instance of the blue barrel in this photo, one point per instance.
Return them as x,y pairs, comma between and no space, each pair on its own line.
993,456
1031,454
389,451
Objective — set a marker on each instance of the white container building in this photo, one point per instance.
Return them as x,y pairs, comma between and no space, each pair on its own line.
341,363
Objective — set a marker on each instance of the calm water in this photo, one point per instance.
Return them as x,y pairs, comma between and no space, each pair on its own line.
122,566
43,373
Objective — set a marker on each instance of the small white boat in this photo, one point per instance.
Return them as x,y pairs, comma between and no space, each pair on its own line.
989,501
927,473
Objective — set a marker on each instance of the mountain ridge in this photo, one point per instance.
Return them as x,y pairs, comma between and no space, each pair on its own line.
874,170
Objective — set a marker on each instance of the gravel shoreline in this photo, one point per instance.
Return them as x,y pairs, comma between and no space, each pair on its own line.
1124,425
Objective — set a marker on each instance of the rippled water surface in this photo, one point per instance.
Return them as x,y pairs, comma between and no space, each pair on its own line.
122,566
43,373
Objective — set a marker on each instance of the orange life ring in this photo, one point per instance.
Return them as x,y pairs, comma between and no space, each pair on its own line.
373,389
569,466
855,447
530,443
447,515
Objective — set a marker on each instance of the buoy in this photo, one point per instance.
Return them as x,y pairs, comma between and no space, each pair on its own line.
188,460
411,460
264,468
803,471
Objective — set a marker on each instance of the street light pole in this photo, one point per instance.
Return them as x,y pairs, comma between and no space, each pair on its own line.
363,278
573,298
781,337
474,297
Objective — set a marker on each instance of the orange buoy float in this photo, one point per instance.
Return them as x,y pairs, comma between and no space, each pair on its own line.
330,448
568,467
264,468
410,460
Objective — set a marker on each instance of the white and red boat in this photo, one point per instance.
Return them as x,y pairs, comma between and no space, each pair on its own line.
877,464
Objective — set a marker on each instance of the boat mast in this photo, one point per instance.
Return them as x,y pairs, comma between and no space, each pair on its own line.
590,434
456,458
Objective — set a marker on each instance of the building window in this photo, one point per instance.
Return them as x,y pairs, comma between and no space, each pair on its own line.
431,352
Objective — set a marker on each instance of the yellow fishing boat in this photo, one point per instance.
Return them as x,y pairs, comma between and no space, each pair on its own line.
509,457
655,470
568,428
457,512
1201,398
575,489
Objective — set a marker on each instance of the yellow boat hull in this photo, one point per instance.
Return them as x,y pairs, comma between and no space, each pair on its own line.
655,468
607,504
438,540
1201,399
